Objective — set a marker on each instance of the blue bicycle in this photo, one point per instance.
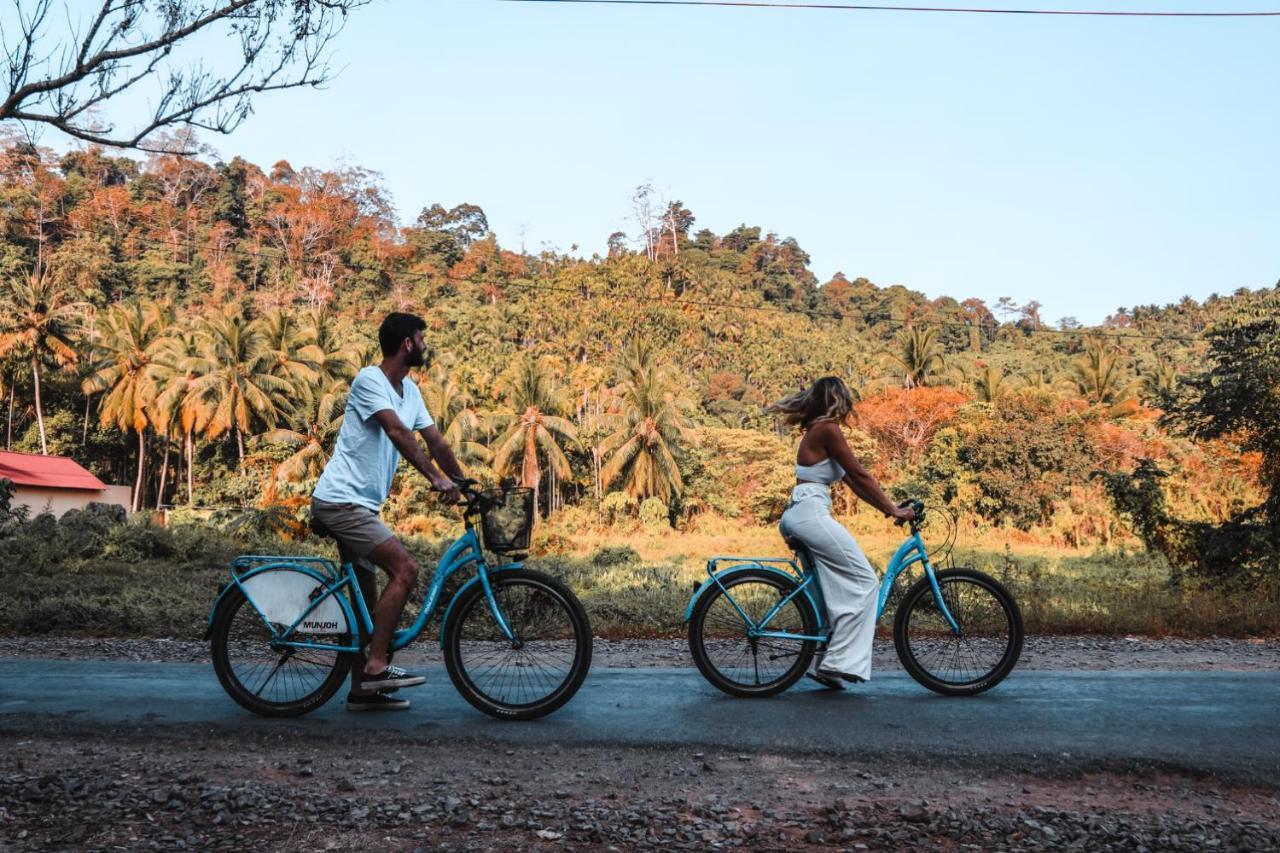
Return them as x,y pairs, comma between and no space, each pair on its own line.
517,643
756,625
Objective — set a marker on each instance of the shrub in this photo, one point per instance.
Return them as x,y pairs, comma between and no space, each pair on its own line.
615,556
653,513
83,532
617,506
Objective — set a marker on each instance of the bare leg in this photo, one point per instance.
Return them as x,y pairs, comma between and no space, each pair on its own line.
396,560
369,591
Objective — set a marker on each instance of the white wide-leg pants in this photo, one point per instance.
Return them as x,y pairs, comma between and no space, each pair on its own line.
849,583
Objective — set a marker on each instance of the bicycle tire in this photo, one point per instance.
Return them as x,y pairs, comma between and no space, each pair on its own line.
698,638
916,656
233,682
513,693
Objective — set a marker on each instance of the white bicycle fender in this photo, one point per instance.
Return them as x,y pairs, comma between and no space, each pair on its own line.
282,594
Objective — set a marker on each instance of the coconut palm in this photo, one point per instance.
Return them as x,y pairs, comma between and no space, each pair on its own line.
38,321
320,416
452,406
125,352
991,383
236,384
647,430
1098,376
294,358
1159,382
335,359
530,425
920,355
177,409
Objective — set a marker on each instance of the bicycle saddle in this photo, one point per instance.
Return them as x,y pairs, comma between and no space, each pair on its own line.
801,550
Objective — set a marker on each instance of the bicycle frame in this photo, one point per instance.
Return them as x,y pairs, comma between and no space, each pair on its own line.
911,551
333,582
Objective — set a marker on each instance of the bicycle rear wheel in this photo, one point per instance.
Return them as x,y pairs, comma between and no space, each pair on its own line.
976,659
729,657
271,681
537,672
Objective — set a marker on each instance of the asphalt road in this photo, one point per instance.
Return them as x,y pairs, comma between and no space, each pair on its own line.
1224,723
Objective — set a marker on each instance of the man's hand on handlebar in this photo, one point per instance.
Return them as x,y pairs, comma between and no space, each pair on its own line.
449,491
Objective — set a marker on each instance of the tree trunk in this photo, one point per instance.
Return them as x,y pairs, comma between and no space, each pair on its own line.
190,461
164,472
142,458
8,441
240,446
35,372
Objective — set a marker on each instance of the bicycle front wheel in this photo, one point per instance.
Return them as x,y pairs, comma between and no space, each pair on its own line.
973,660
728,655
536,672
269,680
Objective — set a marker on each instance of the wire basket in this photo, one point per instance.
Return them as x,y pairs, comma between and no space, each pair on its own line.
507,519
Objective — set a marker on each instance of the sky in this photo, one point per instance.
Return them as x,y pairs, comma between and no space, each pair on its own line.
1087,163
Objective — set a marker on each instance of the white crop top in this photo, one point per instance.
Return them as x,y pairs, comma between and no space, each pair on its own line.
827,471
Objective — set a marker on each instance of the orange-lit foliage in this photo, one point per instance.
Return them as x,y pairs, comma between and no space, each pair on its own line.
903,420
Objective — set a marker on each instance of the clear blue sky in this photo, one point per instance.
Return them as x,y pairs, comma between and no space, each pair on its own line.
1087,163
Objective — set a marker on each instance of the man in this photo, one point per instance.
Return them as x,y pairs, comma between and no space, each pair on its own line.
383,411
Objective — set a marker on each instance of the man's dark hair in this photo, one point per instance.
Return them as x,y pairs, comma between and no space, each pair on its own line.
395,329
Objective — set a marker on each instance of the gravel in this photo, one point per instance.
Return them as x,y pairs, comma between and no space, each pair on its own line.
1047,652
123,789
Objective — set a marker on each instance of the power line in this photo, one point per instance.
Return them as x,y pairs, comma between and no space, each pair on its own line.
869,8
680,301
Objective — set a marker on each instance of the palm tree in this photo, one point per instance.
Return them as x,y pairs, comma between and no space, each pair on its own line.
647,430
990,384
530,424
335,359
321,416
920,355
1159,382
39,322
453,408
293,358
125,352
235,383
173,375
1098,376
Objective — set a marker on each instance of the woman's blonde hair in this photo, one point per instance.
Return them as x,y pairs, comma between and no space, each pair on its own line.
829,397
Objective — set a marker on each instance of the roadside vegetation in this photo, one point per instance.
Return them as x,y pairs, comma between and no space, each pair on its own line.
192,328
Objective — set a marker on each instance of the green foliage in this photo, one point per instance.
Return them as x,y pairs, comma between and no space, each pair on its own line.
1015,479
653,513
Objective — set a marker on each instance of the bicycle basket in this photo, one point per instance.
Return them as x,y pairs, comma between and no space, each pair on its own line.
507,520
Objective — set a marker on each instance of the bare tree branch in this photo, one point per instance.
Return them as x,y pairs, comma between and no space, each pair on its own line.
149,46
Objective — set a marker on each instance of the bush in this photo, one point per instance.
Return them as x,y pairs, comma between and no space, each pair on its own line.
615,556
84,532
653,513
617,506
140,540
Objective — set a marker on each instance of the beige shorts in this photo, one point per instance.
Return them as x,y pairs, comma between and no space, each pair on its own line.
357,528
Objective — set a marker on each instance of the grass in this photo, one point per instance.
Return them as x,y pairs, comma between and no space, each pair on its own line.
157,582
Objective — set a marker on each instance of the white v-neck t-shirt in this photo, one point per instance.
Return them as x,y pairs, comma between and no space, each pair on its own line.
364,459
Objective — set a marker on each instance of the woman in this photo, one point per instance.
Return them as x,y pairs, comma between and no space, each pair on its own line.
849,584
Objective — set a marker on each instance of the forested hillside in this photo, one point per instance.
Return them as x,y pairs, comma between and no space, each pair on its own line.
192,327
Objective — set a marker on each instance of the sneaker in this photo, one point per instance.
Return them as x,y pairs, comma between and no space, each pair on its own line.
392,676
375,702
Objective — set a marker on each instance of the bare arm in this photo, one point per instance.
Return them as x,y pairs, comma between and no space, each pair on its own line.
440,450
857,477
409,448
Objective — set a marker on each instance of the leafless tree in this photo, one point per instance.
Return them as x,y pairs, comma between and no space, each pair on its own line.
66,69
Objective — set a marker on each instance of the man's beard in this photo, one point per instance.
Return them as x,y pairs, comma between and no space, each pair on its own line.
417,357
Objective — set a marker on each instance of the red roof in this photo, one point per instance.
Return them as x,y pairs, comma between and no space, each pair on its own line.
58,472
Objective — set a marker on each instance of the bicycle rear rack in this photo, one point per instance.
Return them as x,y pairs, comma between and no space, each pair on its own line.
248,562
